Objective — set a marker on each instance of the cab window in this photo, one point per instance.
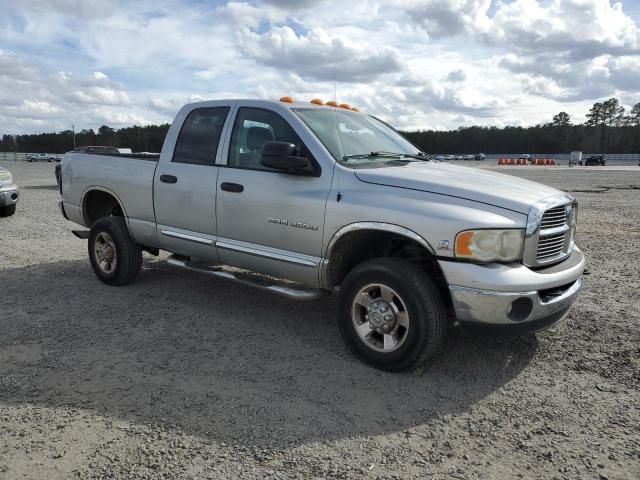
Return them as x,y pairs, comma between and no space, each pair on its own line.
252,129
200,135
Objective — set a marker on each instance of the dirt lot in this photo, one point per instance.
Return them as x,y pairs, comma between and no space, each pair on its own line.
179,376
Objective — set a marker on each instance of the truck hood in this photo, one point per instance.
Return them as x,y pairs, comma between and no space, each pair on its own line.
478,185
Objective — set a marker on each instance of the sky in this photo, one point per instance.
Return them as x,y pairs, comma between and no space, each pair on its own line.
418,64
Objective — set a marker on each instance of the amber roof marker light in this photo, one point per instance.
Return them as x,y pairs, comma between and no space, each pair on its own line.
332,103
317,101
286,99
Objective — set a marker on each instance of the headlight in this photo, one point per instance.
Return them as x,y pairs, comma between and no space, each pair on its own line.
490,245
5,177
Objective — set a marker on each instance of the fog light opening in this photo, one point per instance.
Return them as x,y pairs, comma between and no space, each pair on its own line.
519,309
14,196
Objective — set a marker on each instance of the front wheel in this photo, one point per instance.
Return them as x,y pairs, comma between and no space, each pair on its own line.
115,257
7,211
391,314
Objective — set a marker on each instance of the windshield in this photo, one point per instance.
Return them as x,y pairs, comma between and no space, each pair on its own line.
353,138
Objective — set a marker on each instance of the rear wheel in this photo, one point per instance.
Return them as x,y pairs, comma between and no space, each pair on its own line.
391,314
7,211
115,257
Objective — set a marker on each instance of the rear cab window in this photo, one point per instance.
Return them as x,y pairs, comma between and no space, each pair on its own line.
199,136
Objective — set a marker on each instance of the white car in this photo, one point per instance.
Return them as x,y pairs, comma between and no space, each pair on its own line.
42,157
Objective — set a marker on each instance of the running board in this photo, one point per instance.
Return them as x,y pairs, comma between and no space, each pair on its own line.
283,291
83,234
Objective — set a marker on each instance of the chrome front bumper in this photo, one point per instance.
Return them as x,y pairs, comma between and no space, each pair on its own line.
513,297
8,196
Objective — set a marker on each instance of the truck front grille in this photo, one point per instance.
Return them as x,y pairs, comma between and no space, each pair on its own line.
552,241
550,246
554,217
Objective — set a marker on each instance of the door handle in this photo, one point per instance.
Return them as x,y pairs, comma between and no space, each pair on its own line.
231,187
168,178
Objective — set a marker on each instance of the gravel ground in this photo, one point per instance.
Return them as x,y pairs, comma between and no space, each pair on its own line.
180,376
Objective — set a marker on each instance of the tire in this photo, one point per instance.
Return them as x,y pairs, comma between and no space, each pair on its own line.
419,315
115,256
7,211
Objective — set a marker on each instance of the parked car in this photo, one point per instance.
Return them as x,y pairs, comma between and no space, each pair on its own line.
448,158
467,157
595,160
524,156
42,157
99,149
324,197
479,156
459,157
8,193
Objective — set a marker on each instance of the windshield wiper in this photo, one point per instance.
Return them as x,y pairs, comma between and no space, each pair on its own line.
420,156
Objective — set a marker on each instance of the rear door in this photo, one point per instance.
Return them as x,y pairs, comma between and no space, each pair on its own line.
269,221
185,185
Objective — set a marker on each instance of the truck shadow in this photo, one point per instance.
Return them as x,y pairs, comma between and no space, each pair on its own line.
220,360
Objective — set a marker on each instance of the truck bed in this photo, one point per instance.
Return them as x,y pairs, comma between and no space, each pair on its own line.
130,181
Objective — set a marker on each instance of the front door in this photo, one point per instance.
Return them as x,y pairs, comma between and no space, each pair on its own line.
268,221
185,188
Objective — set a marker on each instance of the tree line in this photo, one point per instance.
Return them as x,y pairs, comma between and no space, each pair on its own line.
148,138
608,129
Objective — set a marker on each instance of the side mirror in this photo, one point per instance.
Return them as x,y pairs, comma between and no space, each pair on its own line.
282,156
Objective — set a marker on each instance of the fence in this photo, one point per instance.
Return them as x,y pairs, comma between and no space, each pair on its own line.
12,156
563,158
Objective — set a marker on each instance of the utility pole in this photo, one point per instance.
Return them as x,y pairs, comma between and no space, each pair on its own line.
73,127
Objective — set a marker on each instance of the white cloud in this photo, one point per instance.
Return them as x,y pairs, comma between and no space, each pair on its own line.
415,63
580,29
445,18
456,76
318,54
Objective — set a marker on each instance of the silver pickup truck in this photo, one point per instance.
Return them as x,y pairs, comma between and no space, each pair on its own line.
304,199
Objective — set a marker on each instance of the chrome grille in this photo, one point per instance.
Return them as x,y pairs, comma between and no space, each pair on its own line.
550,246
550,228
554,217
